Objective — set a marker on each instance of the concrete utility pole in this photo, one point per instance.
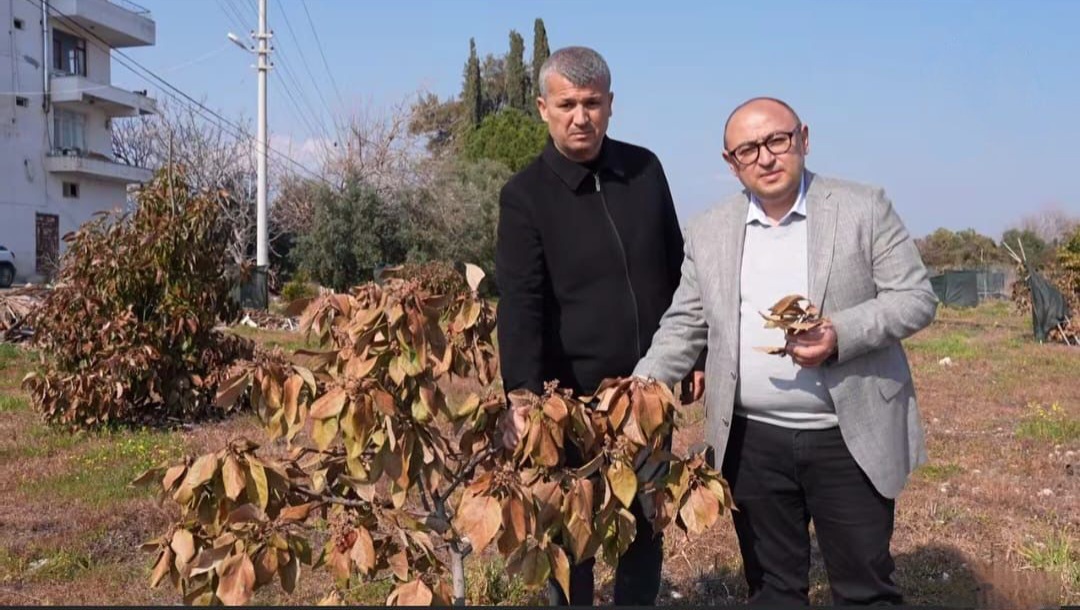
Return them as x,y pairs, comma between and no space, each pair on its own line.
262,248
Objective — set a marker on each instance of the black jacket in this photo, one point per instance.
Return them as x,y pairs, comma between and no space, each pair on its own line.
586,263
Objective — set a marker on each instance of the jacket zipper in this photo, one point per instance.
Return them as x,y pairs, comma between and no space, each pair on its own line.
626,265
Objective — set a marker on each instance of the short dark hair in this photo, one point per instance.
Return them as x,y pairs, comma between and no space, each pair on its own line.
758,99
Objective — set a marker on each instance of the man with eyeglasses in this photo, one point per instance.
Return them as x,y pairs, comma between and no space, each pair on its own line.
828,432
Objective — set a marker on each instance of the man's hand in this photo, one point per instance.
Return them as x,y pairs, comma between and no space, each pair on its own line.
813,347
692,388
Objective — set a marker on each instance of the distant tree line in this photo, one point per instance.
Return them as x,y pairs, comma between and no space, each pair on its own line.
420,183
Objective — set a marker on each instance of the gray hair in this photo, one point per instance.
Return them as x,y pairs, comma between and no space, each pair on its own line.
581,66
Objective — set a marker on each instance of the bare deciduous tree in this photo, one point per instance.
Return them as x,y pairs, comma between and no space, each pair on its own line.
1052,224
213,157
376,149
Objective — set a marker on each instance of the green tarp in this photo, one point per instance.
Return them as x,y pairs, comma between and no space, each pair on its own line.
957,288
1048,307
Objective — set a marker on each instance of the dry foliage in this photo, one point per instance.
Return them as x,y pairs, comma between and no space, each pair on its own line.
794,314
408,479
127,334
16,309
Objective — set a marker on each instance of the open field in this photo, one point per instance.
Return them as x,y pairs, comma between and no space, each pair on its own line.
993,521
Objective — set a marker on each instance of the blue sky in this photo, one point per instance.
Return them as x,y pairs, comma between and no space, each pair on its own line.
964,110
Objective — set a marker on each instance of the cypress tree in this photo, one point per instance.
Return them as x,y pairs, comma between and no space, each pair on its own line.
516,78
471,94
540,54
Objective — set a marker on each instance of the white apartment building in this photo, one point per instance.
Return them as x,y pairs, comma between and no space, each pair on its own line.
56,111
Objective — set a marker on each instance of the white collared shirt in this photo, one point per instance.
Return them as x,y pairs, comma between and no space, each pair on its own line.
757,213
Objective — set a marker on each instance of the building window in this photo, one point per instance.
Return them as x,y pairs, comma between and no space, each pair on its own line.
71,190
22,101
69,53
18,24
69,130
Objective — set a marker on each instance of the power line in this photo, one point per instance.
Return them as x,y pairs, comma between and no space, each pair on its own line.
120,56
235,14
303,60
319,46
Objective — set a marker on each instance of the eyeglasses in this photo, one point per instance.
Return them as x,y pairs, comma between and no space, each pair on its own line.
778,143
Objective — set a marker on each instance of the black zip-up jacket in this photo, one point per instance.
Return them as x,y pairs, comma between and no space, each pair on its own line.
586,262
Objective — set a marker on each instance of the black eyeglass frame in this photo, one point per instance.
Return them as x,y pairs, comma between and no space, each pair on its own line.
757,144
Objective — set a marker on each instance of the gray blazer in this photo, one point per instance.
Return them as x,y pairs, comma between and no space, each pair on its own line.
869,280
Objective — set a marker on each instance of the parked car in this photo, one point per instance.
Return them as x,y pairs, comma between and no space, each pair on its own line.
7,267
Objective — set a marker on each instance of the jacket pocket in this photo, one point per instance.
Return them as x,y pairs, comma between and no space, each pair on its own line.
890,387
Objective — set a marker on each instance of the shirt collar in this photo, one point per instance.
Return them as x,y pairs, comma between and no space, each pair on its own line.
755,213
573,173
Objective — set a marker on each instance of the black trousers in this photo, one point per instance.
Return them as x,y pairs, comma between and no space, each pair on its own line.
637,577
781,479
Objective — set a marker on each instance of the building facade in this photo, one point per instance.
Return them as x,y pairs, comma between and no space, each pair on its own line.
56,162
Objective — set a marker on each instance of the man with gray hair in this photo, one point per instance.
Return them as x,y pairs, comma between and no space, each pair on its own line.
588,256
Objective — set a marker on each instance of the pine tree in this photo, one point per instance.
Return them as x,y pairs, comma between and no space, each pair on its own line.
516,79
540,54
471,94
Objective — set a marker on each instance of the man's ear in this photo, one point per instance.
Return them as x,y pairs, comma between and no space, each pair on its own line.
806,139
541,107
610,102
731,164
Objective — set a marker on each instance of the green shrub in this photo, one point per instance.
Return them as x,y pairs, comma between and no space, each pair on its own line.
299,287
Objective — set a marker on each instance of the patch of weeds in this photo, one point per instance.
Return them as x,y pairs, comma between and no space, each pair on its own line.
1057,555
939,472
60,566
373,593
9,354
10,403
11,566
1051,425
944,514
490,585
955,345
103,474
690,415
39,440
1016,342
286,340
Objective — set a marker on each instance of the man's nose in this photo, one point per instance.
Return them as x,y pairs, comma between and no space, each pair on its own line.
765,156
581,117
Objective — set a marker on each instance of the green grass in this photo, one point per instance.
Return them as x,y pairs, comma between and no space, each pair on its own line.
985,312
1056,555
289,341
56,565
1052,425
39,440
939,472
9,355
955,345
62,565
489,585
11,567
102,475
10,403
366,593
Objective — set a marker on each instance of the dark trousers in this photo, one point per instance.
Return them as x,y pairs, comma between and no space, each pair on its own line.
637,577
781,479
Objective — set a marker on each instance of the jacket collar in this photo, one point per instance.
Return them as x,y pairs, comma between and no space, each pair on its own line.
572,173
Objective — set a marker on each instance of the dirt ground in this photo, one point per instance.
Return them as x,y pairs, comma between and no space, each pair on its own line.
993,521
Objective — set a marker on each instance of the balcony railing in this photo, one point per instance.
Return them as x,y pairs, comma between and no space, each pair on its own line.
94,165
131,6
